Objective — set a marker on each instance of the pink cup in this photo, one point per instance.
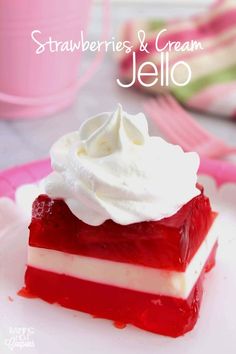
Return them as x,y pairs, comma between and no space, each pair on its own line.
34,85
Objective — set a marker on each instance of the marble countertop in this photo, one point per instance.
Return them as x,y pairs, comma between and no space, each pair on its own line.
22,141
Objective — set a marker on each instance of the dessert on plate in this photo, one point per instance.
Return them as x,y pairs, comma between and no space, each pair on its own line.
124,231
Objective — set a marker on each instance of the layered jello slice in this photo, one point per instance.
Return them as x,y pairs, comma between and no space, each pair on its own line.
107,241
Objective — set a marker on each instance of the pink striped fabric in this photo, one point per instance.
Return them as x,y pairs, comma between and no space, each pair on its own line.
208,96
213,84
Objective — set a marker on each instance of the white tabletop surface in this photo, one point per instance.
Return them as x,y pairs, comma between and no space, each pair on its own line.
27,140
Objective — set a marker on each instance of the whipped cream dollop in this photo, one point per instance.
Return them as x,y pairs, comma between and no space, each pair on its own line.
112,169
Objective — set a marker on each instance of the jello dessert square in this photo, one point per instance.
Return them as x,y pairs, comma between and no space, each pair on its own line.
124,231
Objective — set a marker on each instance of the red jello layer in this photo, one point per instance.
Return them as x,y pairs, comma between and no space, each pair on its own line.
160,314
170,243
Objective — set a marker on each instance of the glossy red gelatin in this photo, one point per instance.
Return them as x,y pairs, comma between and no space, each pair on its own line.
160,314
167,244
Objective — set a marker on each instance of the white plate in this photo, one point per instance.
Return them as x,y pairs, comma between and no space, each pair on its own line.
39,327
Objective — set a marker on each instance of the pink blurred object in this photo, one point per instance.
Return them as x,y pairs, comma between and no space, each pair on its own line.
14,177
34,85
221,171
181,128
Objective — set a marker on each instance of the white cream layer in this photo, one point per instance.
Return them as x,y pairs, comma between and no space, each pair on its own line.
124,275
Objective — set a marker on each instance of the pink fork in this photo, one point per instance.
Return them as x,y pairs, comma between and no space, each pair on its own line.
180,128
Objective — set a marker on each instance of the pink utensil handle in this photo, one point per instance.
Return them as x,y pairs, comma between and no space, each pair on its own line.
19,100
222,171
